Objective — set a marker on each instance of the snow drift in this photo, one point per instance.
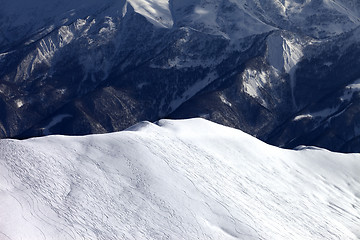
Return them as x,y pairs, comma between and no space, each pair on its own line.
186,179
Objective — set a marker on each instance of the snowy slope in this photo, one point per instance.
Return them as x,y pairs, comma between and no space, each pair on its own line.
155,11
188,179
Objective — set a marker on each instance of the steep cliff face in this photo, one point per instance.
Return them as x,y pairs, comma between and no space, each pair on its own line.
284,71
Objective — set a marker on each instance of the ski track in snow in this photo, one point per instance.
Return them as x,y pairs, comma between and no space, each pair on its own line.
188,179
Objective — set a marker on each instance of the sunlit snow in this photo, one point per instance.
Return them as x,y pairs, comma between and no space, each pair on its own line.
155,11
187,179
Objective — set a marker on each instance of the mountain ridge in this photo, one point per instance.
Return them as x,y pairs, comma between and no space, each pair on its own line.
175,179
112,64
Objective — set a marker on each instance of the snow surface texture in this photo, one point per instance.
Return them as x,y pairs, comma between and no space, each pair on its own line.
188,179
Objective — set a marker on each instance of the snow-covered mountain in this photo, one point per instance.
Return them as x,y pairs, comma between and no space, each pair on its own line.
184,179
283,71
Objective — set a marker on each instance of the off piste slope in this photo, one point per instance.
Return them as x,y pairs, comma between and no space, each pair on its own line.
185,179
80,67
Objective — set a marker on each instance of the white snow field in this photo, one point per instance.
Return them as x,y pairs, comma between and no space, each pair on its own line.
184,179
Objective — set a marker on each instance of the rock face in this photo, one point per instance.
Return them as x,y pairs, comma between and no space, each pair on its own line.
284,71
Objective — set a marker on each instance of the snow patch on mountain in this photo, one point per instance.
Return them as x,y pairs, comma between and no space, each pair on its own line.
19,103
57,119
284,53
322,114
155,11
224,100
350,90
254,82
